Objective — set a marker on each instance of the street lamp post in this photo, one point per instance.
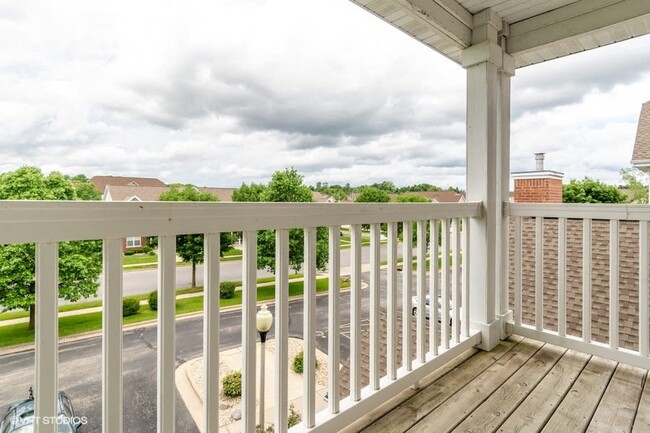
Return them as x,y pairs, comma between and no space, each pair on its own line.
264,322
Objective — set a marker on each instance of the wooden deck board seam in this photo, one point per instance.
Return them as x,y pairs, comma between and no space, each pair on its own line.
407,407
644,389
531,389
531,416
588,416
526,351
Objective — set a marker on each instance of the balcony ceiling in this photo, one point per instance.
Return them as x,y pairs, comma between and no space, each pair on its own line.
535,30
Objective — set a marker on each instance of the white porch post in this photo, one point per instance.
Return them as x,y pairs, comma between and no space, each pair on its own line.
506,71
488,105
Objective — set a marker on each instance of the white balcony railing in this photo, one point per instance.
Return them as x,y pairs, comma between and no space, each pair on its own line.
47,223
579,278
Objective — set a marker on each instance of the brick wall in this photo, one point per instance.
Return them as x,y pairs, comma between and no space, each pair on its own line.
541,190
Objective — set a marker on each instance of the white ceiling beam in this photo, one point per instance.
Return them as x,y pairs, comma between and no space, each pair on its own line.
575,19
447,17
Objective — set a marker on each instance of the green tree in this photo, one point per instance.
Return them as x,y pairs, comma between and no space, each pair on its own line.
591,191
80,262
252,192
634,180
190,247
287,186
411,198
86,191
371,194
385,186
420,187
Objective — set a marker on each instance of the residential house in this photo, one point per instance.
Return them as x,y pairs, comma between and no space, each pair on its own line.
101,182
641,152
487,365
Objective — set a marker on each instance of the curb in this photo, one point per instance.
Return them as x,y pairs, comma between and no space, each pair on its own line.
144,324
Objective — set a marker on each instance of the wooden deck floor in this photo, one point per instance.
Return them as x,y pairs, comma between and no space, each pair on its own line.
527,386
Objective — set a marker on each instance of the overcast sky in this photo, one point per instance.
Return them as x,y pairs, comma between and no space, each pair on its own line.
224,92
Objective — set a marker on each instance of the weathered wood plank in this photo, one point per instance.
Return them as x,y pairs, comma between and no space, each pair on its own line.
642,421
579,404
618,406
447,415
496,409
538,407
415,408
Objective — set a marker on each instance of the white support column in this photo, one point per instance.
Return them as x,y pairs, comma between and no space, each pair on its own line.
505,72
485,173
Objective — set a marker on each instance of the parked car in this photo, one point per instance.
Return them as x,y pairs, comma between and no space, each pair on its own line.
19,418
427,311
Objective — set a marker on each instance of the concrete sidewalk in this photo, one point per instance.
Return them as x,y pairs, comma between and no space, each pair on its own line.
190,385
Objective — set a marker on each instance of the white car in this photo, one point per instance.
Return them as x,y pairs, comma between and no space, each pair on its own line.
427,299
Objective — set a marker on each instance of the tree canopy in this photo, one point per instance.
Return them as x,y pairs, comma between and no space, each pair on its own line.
189,247
252,192
411,198
591,191
285,186
80,262
372,195
634,180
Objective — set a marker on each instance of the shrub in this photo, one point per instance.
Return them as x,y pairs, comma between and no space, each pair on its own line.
130,307
153,300
294,417
147,249
232,384
129,252
298,362
227,290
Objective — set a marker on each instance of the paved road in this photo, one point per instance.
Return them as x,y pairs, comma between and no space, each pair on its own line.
80,366
145,281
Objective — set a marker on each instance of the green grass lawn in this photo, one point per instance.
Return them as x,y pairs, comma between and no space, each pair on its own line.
10,315
140,259
18,334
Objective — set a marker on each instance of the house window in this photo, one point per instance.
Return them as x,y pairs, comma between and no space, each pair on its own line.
133,242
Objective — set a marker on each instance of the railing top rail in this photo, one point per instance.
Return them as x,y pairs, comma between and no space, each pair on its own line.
49,221
623,212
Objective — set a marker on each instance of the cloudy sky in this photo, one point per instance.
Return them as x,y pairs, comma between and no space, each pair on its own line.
220,93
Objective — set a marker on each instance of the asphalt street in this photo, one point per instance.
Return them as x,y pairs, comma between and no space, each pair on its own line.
80,365
145,281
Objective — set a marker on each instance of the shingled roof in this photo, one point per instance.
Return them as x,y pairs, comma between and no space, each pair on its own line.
133,193
101,182
641,153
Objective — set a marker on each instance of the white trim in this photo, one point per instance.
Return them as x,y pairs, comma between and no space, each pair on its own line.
593,348
546,174
574,20
43,221
132,239
623,212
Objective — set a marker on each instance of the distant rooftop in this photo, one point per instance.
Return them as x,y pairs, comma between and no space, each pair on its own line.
101,182
641,153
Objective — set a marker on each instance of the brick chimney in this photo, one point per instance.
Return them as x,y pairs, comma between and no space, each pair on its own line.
539,186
